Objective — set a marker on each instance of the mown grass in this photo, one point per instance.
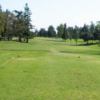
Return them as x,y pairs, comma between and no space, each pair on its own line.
49,69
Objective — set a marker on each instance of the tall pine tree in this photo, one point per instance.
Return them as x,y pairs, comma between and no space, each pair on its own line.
27,19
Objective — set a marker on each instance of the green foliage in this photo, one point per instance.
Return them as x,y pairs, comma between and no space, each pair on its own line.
2,21
15,24
76,35
43,32
51,31
70,31
60,29
27,19
97,31
87,32
65,33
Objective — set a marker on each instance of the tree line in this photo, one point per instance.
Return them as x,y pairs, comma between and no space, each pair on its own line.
86,32
16,24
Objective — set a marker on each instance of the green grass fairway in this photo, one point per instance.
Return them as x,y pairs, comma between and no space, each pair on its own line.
49,69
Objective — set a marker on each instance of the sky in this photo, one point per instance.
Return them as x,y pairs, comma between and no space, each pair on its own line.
55,12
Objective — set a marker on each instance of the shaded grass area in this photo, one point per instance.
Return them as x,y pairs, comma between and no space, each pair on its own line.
49,70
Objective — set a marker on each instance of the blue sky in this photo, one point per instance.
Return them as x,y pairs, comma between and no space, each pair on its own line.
54,12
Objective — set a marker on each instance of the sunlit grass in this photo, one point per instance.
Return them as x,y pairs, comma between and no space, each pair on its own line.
49,69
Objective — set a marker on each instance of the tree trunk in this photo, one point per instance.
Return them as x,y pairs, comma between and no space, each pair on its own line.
27,39
20,40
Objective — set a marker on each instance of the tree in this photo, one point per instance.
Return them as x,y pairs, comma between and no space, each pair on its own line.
43,32
60,30
19,25
92,31
85,33
1,19
76,34
0,8
23,23
2,22
27,19
65,34
8,28
97,31
51,31
70,33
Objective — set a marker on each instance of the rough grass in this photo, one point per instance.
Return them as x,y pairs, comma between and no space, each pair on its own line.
49,69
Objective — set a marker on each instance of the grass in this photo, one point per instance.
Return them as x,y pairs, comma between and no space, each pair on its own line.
49,69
